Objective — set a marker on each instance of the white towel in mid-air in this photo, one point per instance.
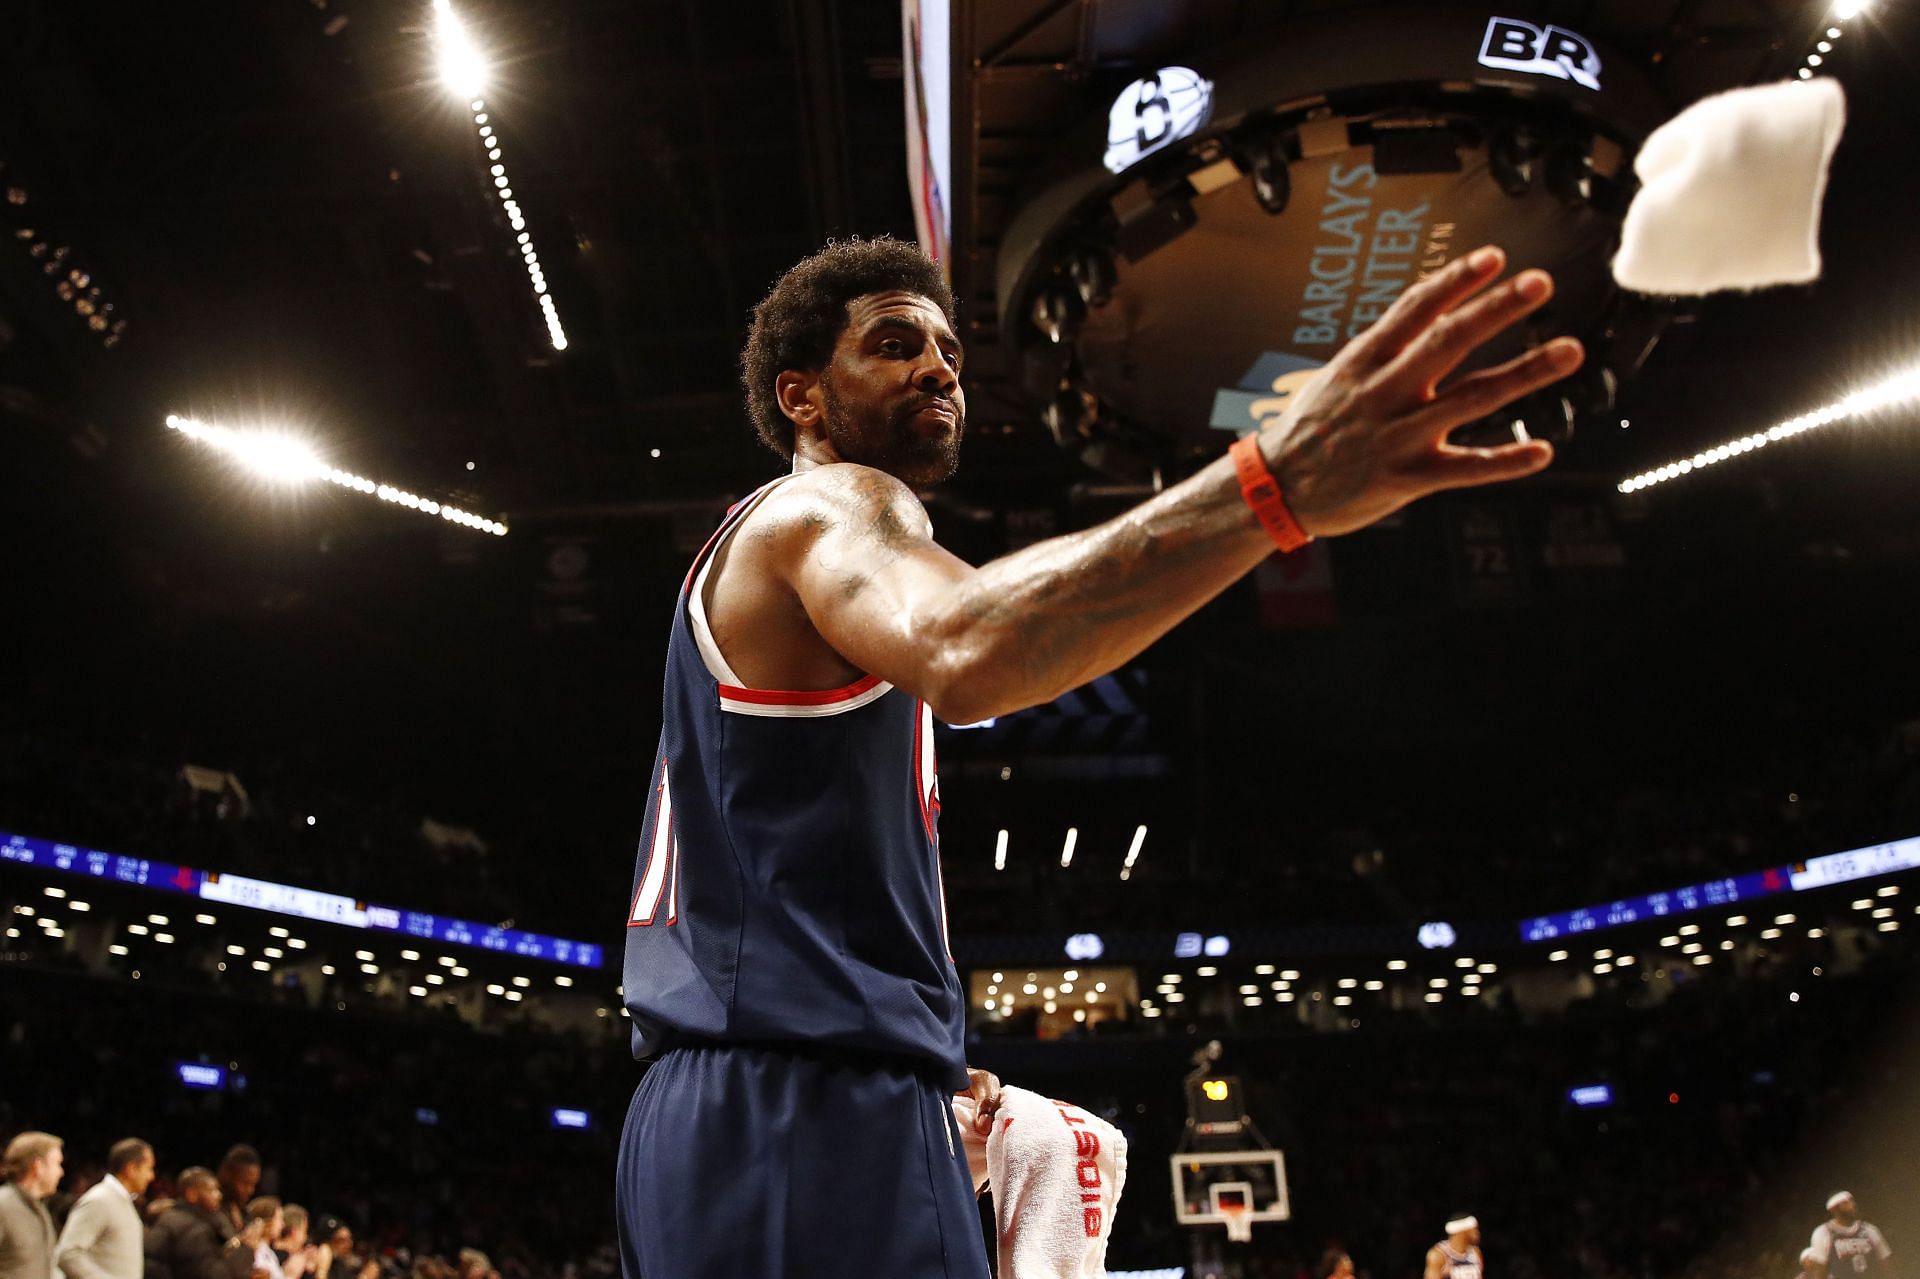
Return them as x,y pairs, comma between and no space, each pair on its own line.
1730,192
1056,1173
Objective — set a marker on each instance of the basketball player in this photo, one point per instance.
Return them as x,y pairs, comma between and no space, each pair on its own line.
1846,1246
1458,1255
787,965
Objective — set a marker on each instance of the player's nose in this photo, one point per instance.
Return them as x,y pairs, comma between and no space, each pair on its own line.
935,377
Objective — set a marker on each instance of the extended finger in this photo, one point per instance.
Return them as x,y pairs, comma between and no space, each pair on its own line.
1478,394
1425,302
1452,337
1456,468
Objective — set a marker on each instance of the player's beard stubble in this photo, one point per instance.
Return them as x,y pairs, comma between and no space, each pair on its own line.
887,438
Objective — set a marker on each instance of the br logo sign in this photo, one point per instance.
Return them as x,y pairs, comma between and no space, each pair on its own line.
1513,45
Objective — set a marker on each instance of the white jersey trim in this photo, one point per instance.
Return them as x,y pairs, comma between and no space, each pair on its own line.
735,697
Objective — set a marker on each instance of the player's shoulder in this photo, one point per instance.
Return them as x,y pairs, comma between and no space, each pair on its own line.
838,495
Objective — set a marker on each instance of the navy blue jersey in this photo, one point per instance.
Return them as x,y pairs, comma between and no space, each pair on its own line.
787,887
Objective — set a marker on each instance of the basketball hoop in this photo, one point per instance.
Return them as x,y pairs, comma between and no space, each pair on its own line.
1239,1219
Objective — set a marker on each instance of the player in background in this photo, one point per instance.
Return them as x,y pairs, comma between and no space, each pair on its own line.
1458,1255
1844,1246
787,966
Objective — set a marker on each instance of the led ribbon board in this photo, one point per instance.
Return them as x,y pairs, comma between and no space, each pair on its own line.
1820,872
298,903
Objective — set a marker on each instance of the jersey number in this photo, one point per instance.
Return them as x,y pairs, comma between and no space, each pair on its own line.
661,878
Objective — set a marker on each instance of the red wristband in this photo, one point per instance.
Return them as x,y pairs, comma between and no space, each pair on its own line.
1262,493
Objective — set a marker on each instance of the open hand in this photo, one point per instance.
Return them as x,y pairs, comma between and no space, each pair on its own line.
1369,434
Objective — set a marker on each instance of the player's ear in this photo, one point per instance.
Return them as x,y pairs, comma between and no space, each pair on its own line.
800,397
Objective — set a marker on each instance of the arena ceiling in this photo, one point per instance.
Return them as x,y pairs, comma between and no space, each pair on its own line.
290,214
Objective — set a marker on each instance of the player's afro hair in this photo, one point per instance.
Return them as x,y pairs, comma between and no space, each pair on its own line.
797,324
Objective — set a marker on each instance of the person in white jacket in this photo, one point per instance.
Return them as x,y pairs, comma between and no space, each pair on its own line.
104,1237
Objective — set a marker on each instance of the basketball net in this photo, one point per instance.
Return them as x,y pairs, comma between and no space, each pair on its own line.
1239,1219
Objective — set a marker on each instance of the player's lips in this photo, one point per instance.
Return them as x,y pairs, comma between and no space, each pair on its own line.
937,417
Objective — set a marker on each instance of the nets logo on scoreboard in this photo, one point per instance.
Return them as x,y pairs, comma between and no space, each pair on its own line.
1513,45
1155,112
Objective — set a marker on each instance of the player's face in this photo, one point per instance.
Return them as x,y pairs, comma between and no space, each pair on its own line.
892,394
1473,1237
1845,1212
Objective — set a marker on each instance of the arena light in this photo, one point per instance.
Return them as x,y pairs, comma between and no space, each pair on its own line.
1133,853
463,68
516,219
72,284
285,459
1066,853
1000,852
1901,388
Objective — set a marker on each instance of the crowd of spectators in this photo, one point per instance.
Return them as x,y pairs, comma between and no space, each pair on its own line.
377,1148
1737,1109
120,1220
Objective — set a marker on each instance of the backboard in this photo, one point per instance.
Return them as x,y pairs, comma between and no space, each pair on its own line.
1201,1182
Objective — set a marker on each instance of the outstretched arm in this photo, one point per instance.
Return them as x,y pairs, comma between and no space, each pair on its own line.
1366,438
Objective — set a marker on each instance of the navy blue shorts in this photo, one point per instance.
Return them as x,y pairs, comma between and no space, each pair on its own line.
743,1162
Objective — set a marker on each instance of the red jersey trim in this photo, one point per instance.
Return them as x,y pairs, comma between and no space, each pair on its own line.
773,697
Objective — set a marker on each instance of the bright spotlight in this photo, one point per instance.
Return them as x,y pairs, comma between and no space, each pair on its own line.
286,459
1902,388
462,66
1845,10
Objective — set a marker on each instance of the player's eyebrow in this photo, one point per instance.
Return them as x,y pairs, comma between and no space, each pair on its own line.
901,323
